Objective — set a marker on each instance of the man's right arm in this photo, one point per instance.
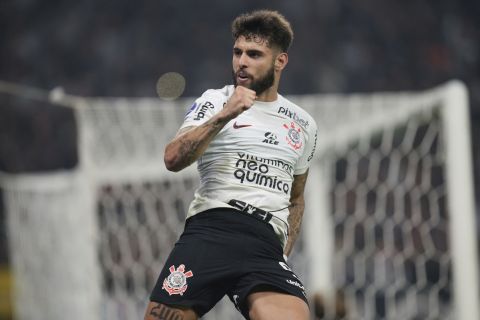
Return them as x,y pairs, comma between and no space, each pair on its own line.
191,142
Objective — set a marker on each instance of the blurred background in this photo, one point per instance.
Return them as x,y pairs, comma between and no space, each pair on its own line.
120,48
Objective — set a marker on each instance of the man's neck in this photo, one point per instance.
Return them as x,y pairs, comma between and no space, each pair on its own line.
269,95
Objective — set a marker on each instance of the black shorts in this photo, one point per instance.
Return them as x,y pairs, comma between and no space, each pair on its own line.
223,251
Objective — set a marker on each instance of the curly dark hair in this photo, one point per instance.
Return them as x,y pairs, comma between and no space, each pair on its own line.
267,25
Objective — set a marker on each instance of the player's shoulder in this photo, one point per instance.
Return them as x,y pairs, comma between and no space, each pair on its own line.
220,94
296,113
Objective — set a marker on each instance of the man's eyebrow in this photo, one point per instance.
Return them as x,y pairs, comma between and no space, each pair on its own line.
248,51
254,51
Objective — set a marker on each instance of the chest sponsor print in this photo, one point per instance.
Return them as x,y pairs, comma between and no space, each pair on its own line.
293,115
256,170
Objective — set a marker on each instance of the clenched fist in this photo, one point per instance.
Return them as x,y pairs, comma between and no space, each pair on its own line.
242,99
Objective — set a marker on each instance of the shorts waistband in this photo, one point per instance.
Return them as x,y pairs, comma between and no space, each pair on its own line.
279,226
250,210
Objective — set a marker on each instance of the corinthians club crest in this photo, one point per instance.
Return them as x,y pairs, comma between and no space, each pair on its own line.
293,136
176,282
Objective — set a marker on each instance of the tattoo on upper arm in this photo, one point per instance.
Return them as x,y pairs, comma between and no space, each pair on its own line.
162,312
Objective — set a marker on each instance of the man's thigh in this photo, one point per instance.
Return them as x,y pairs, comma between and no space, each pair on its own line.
271,305
190,279
271,279
158,311
203,265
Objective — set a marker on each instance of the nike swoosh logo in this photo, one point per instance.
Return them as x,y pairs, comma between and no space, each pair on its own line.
238,126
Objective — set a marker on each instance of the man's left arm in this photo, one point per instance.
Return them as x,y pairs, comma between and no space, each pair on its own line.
296,208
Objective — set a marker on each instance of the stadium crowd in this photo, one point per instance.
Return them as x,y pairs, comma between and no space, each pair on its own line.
120,48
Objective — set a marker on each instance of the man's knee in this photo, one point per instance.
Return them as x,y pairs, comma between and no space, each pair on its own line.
159,311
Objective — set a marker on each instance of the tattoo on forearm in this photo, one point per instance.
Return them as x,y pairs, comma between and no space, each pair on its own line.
296,210
295,222
188,149
162,312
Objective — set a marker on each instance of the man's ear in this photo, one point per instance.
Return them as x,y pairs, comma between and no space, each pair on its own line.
281,61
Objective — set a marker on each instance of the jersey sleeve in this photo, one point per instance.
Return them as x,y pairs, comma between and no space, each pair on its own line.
303,162
205,107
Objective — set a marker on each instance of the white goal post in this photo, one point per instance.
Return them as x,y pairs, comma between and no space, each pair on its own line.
389,228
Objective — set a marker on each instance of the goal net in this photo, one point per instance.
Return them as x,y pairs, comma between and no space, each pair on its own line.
388,232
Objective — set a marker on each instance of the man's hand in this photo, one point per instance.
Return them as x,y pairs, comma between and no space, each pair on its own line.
190,144
242,99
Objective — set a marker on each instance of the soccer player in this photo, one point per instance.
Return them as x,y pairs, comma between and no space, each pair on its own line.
252,148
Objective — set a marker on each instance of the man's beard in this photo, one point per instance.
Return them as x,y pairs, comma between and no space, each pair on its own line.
260,85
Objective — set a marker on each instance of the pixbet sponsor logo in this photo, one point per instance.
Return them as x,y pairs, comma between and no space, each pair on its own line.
293,115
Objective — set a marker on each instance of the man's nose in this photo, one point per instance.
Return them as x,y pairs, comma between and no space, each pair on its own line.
243,60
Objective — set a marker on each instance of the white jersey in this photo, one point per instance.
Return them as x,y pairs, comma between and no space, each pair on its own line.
254,156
